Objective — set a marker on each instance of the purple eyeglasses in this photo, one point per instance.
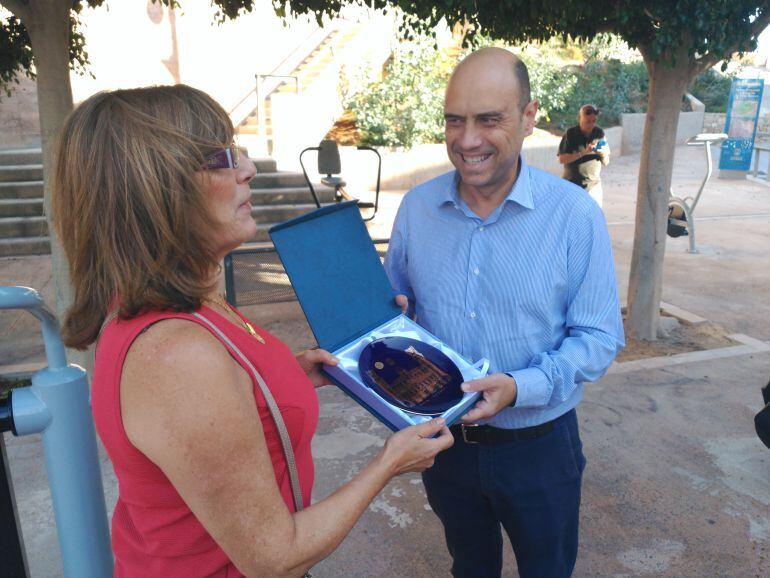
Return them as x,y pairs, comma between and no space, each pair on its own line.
224,159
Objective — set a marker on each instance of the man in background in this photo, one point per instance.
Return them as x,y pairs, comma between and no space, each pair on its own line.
583,151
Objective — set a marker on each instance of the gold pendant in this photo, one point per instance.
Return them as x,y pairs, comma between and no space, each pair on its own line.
254,333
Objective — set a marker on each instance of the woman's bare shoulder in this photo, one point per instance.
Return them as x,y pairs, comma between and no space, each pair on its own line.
177,372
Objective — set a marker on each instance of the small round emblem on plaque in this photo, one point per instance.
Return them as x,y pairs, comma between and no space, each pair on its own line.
412,375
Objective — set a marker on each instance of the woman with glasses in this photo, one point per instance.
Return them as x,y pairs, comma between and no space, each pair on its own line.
149,196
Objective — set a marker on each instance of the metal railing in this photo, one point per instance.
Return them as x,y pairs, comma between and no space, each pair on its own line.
57,405
254,275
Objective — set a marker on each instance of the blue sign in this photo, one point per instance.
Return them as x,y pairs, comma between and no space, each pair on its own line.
741,123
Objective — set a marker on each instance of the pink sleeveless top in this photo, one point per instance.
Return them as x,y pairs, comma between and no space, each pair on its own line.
154,533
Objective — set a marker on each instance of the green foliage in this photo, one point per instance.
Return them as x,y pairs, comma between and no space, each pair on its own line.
406,107
15,53
613,86
606,46
712,89
664,30
16,57
552,86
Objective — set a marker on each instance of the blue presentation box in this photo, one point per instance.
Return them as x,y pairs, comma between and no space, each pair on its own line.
347,299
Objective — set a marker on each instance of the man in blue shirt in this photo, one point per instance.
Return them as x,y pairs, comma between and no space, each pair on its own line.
504,261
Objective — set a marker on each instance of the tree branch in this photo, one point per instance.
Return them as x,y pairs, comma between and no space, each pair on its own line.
710,59
18,8
606,26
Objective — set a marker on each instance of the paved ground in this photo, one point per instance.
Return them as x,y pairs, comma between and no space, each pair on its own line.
677,483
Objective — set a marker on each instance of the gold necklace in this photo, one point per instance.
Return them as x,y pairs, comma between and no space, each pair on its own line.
225,306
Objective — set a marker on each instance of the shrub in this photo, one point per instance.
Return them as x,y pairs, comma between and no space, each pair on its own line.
613,86
407,106
553,87
712,89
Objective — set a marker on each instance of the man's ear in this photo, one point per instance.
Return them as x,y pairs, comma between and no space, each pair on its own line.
530,117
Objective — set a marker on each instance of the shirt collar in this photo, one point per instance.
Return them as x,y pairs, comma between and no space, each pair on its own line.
520,193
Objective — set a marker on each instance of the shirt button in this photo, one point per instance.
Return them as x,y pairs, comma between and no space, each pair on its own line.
473,315
482,228
476,271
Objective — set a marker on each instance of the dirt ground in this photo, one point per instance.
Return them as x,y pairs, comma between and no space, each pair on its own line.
684,337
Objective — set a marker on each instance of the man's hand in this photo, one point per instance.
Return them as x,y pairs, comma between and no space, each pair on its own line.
403,302
498,392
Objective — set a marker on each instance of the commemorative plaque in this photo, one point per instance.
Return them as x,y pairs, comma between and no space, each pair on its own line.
388,363
411,374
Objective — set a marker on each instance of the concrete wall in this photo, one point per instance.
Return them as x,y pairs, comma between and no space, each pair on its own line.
690,124
19,116
614,137
714,122
404,169
302,120
141,43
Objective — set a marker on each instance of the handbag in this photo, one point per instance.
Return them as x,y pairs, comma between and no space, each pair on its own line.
288,451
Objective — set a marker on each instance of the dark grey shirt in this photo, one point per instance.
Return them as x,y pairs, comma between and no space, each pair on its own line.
584,171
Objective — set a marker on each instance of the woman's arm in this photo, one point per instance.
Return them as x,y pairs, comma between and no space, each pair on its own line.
190,408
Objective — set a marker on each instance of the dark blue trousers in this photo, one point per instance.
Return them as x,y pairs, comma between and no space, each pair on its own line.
531,488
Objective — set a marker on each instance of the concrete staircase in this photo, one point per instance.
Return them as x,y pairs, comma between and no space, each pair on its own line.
319,62
276,196
23,229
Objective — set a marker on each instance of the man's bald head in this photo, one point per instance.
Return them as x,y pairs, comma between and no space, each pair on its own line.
497,59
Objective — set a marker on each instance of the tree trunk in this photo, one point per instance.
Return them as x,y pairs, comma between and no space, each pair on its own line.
667,87
48,24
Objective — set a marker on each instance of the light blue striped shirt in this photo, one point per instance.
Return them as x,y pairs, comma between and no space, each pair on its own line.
531,287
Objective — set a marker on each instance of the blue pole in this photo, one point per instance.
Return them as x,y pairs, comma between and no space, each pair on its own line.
57,404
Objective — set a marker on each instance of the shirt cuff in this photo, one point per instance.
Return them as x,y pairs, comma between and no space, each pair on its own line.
532,387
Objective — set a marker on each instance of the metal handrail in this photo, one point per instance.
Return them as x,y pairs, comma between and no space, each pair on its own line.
260,99
57,405
288,59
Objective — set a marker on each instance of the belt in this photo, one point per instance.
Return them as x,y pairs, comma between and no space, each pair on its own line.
472,433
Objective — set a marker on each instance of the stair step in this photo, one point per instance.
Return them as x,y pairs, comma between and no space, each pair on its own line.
253,129
279,213
262,232
13,247
23,227
263,227
21,190
21,173
290,195
278,179
21,207
32,156
265,165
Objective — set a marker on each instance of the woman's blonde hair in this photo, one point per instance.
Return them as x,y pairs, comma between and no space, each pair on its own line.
128,206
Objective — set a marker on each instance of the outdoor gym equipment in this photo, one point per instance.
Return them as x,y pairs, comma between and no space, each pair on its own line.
681,210
329,164
56,404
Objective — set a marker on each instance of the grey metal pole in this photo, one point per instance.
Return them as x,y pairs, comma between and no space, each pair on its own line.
57,404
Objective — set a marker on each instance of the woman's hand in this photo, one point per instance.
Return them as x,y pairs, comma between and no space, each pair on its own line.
414,449
311,360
